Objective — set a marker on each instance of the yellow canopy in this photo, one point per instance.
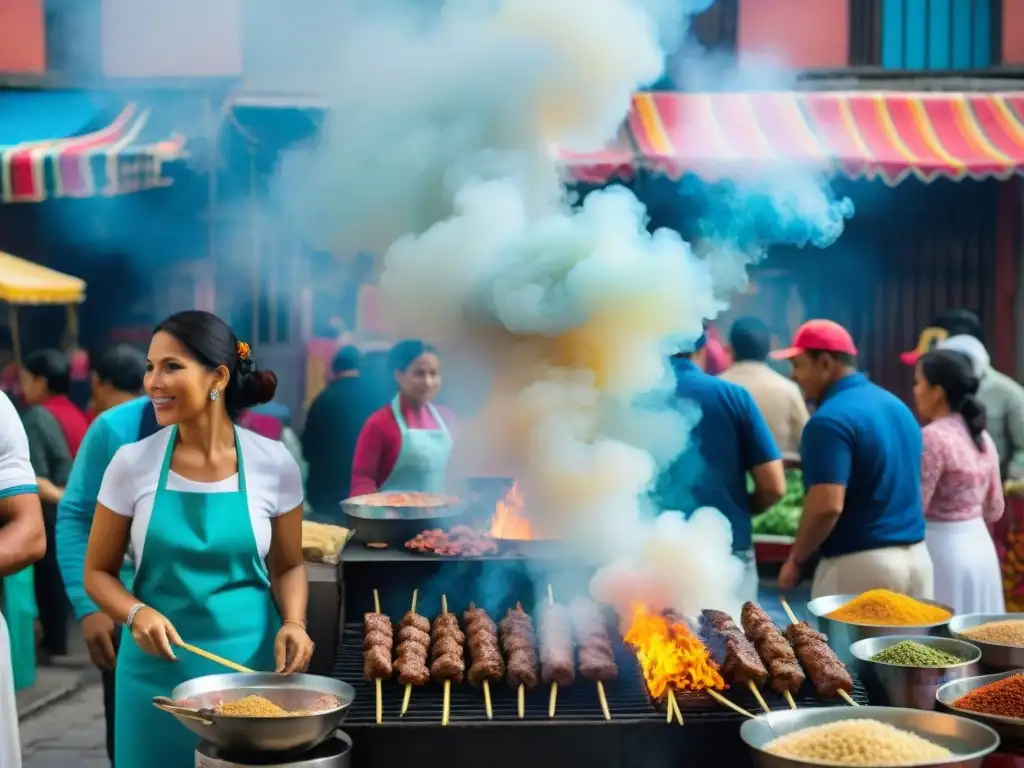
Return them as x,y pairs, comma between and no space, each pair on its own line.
23,282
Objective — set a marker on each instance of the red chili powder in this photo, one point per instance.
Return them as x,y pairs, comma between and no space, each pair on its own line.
1004,697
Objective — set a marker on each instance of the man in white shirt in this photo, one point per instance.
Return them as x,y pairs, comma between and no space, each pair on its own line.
778,398
22,542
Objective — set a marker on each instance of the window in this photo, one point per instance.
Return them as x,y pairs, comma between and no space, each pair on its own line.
926,34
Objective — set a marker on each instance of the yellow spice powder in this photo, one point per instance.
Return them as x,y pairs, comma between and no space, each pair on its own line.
880,606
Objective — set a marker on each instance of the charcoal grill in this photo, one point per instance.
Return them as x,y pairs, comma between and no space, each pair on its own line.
637,734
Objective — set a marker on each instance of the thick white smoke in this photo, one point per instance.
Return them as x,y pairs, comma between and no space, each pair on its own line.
439,156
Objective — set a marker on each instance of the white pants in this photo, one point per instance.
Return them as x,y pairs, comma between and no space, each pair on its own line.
10,741
907,570
967,574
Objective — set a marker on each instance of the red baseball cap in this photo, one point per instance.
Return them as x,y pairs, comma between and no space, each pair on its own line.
823,335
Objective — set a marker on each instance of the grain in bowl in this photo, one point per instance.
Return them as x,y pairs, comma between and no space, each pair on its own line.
857,743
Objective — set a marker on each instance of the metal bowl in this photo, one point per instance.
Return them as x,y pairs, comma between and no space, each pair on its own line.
842,634
993,657
897,685
969,741
396,524
255,735
1008,727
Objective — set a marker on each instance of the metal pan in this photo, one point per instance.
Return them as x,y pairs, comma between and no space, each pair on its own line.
395,525
193,703
1008,727
994,657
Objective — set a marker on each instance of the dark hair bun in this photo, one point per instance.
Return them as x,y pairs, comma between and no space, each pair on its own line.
259,387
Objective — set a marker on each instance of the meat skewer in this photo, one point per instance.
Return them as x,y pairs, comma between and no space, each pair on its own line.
378,640
557,654
739,663
775,651
413,646
519,640
596,658
447,655
827,673
482,639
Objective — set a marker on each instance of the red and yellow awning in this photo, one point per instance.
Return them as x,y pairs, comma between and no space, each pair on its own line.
884,135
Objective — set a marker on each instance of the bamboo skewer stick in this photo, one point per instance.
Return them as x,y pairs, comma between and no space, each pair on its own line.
521,693
408,686
446,707
377,682
213,657
758,696
553,700
792,617
486,686
789,699
604,700
673,707
726,703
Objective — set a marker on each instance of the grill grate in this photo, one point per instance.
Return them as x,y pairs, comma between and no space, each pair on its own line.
628,700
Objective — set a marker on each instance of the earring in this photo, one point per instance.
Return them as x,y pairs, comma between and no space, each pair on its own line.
214,394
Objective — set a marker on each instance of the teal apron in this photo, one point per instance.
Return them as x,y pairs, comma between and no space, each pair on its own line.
200,568
422,461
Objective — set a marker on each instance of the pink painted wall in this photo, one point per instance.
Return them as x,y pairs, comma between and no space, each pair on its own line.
1013,32
805,34
22,40
184,38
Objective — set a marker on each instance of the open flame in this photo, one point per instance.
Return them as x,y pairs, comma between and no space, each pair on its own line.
671,656
508,521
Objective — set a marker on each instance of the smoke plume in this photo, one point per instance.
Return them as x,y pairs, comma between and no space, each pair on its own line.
439,155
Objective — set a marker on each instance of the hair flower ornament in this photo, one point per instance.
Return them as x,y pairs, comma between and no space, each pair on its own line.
244,353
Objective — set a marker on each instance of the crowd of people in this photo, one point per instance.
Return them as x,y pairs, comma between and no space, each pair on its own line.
161,520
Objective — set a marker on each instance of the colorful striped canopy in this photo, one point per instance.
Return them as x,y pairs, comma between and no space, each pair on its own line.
883,135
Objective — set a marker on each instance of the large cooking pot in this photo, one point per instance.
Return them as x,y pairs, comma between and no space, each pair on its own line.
395,524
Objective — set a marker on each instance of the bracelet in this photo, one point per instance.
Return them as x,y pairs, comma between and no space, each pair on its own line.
296,622
133,612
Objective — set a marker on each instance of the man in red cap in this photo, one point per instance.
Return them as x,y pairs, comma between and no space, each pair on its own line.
861,457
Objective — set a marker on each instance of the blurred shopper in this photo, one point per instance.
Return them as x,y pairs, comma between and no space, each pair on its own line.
123,417
780,400
406,445
333,424
22,542
960,485
730,440
55,427
1001,395
861,458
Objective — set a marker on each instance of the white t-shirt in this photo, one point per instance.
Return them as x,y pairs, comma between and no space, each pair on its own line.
273,484
16,474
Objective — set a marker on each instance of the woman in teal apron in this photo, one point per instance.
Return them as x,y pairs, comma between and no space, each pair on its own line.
218,549
405,446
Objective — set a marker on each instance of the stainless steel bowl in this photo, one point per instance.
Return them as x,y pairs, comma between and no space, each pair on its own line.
895,685
841,634
993,657
1007,727
254,735
969,741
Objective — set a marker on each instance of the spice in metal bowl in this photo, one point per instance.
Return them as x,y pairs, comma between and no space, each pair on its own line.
882,607
1004,698
250,706
857,742
908,653
998,633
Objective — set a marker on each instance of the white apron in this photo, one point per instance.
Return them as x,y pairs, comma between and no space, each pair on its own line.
906,569
967,575
10,741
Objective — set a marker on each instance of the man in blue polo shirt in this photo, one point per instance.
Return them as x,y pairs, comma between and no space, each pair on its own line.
861,455
730,440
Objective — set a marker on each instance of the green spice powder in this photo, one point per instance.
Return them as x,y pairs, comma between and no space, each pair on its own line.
907,653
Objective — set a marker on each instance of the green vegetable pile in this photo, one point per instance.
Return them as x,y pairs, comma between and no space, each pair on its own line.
907,653
784,518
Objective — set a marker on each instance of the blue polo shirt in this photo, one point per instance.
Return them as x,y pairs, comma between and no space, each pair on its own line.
729,440
866,439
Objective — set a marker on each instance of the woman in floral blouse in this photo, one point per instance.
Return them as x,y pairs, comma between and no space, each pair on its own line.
960,484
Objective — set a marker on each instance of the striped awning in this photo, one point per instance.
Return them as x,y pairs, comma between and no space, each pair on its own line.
884,135
124,155
24,282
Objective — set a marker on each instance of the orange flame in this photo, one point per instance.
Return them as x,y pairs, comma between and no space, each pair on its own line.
670,654
508,521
